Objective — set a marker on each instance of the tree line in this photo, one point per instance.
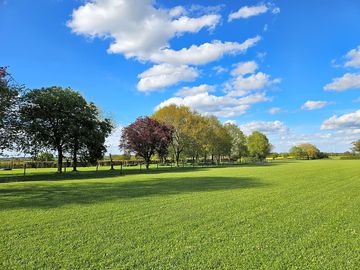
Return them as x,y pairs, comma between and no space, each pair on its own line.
53,118
179,133
61,120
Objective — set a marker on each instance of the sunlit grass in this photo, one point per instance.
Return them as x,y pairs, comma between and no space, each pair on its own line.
299,215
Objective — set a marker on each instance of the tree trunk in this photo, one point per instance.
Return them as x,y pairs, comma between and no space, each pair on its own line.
75,157
60,159
177,158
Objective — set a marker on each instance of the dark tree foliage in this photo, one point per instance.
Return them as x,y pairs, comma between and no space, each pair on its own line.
9,104
145,137
88,133
61,120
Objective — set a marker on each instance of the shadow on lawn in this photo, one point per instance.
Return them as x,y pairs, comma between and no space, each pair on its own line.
81,175
55,195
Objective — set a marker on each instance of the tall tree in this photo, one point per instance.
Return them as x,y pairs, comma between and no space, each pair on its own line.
180,118
238,144
145,137
356,146
258,145
88,131
9,104
47,117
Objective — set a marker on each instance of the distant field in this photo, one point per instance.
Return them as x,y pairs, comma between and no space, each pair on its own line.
283,215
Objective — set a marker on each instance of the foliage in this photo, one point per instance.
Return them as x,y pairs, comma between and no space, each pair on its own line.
298,152
238,141
44,156
145,137
181,119
356,146
61,120
258,145
9,100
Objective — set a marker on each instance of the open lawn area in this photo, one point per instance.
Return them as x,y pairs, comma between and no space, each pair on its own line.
281,215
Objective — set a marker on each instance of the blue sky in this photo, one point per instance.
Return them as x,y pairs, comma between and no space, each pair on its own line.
288,68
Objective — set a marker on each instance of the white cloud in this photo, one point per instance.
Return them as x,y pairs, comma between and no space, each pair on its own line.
242,83
272,127
275,110
314,105
232,122
223,106
246,12
164,75
345,123
192,91
250,11
348,81
202,54
244,68
353,58
136,28
219,69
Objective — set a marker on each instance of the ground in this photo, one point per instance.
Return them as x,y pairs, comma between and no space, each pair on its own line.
282,215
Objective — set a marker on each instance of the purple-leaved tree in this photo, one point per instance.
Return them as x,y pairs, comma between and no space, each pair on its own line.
145,137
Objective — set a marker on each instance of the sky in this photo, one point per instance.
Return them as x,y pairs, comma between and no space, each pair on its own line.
290,69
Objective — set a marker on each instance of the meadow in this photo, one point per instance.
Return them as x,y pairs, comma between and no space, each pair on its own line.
280,215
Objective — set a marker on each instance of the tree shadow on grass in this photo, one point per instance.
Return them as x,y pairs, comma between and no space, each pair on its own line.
59,194
83,175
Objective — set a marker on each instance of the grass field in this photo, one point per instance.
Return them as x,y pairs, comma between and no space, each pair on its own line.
284,215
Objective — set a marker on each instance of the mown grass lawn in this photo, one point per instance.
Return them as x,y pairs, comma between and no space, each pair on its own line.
285,215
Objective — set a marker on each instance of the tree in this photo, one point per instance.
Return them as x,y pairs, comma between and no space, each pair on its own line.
310,150
298,152
47,116
44,156
145,137
356,146
258,145
238,144
221,141
181,119
88,132
9,104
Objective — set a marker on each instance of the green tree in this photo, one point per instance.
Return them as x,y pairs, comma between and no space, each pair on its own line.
47,116
181,119
44,156
356,146
219,140
9,103
238,146
258,145
311,150
298,152
88,132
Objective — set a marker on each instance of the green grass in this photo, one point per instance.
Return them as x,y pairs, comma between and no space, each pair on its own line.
285,215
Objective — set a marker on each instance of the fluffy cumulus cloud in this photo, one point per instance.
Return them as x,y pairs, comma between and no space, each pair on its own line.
250,11
347,123
353,58
314,105
346,82
202,54
134,26
222,106
139,29
192,91
271,127
246,79
163,75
